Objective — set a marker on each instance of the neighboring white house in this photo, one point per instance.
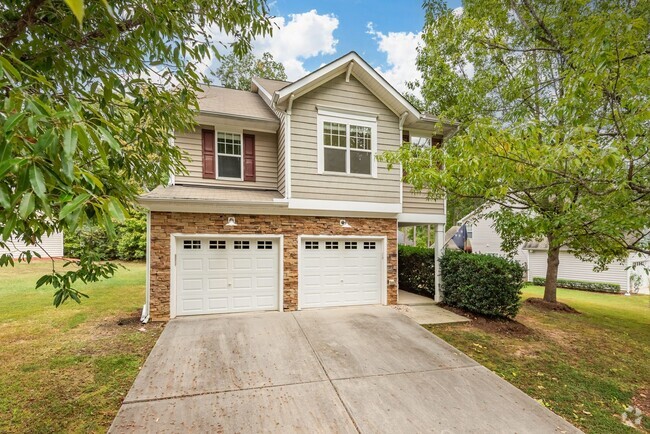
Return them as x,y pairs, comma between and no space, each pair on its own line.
573,268
485,239
52,245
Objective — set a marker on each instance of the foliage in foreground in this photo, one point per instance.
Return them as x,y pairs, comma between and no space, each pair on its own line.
417,271
90,99
552,101
484,284
582,285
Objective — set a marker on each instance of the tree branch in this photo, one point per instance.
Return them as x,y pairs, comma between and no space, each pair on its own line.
27,18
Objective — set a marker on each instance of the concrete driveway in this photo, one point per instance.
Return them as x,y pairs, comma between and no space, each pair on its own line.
365,369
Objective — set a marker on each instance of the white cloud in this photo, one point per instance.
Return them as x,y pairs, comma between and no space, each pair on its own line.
401,55
304,36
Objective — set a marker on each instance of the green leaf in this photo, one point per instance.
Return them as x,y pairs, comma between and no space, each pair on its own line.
110,139
12,121
37,181
115,209
6,64
77,8
27,205
69,141
5,201
73,205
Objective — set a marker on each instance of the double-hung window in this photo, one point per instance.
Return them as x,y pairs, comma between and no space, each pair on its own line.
229,155
347,145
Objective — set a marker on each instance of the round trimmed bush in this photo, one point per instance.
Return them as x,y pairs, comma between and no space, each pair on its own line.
484,284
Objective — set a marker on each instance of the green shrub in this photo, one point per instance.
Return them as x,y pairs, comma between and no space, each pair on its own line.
129,243
483,284
132,239
581,285
417,270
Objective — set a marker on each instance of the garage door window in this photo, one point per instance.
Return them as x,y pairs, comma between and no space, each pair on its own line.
350,245
311,245
192,244
242,245
331,245
265,245
217,244
369,245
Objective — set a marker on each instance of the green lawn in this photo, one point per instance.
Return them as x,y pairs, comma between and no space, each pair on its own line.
588,368
68,369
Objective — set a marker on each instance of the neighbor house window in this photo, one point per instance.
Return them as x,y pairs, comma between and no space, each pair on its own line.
229,155
347,145
421,142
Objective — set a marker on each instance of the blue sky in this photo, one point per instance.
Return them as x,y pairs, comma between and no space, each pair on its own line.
309,34
353,17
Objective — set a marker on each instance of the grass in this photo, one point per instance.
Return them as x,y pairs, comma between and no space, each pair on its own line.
69,368
587,368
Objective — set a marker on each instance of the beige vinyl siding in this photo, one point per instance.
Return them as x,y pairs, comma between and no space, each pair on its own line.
575,269
266,161
51,245
417,202
306,183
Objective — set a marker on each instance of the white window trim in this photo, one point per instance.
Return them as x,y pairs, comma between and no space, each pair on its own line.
218,130
347,119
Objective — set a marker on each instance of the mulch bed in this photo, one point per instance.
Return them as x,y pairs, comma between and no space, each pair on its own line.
493,325
554,307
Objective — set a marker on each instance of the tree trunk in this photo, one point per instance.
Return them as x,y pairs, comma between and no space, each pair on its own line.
552,265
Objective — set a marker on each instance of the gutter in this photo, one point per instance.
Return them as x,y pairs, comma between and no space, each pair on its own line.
145,317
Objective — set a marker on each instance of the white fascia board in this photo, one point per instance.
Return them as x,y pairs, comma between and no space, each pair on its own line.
424,219
335,65
345,206
261,88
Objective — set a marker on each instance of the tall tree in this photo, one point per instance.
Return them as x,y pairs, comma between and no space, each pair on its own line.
90,99
552,101
236,71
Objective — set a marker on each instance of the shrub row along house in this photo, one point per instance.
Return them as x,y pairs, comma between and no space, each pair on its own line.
285,205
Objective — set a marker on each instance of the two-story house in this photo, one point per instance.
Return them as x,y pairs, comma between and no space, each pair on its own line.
285,205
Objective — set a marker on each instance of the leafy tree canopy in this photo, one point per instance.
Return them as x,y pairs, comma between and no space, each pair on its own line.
236,71
90,99
552,102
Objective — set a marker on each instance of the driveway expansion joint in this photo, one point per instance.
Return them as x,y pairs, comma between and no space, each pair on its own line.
320,362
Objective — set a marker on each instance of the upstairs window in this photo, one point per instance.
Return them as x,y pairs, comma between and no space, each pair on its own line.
229,155
347,145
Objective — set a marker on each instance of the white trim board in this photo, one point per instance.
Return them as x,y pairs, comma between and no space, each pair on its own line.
406,218
344,206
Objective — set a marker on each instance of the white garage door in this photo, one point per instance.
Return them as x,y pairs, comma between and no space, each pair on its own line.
226,275
340,272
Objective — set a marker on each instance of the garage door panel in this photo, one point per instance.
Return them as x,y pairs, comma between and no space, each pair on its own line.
337,272
217,284
192,264
224,275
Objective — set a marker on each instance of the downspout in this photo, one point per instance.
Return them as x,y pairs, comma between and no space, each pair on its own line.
144,318
287,148
402,119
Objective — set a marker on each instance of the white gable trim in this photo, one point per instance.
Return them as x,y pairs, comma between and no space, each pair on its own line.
310,81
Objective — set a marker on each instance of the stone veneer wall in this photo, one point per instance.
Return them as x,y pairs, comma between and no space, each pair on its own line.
163,224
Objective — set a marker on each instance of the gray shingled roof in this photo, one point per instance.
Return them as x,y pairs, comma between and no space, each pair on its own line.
233,102
209,194
271,85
